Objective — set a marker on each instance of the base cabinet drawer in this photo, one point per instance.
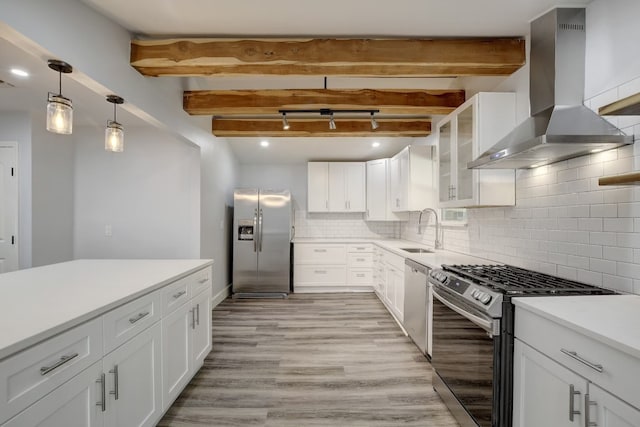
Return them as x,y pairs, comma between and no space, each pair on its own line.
320,274
360,260
31,374
199,281
360,277
72,404
320,253
123,323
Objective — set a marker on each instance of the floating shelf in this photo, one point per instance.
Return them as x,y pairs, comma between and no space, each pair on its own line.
626,179
629,106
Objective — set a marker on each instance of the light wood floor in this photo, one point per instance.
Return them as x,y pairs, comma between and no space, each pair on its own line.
310,360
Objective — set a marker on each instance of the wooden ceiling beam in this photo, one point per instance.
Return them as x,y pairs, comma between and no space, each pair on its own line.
320,127
247,102
329,57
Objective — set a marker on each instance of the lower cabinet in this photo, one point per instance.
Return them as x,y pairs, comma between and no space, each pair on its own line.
186,341
548,394
131,385
133,389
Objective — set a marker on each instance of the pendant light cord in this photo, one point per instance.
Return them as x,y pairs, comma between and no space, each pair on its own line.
115,119
59,83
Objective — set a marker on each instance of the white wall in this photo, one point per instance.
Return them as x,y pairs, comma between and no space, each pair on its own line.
16,126
277,177
218,179
53,177
564,223
149,195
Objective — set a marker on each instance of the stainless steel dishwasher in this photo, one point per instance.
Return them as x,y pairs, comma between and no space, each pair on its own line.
415,302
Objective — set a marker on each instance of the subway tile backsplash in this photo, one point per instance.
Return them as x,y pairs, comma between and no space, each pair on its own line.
328,225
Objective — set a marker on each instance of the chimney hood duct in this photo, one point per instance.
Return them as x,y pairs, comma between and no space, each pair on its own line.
560,126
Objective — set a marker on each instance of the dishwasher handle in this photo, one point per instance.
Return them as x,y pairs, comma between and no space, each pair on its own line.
416,266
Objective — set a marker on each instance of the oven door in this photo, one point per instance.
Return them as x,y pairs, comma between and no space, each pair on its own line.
465,356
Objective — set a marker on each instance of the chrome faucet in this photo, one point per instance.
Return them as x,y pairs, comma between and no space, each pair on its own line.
438,243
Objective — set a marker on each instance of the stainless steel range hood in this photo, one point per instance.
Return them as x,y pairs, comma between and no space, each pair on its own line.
560,126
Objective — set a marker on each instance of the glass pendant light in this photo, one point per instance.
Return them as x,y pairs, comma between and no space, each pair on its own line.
114,134
59,108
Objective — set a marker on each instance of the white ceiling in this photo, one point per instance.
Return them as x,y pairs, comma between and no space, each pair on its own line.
245,18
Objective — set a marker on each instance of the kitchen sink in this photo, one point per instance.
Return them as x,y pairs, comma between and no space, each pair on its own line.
417,250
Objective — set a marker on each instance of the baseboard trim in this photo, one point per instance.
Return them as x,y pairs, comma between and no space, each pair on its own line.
220,296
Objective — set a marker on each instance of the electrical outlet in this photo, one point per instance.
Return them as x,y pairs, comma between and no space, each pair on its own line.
107,230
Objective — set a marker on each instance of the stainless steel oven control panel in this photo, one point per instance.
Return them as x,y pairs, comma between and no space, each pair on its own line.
481,297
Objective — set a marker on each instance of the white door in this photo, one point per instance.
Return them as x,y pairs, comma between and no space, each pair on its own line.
337,187
318,186
399,294
542,391
201,342
134,381
356,190
608,411
8,207
396,172
176,350
78,402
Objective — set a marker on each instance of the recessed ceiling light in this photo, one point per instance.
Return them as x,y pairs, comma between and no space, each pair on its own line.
375,144
264,143
19,72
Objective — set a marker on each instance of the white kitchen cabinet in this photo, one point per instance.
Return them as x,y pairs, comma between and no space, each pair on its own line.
318,186
71,404
336,187
550,357
134,381
347,187
464,135
186,341
379,191
413,179
389,281
543,391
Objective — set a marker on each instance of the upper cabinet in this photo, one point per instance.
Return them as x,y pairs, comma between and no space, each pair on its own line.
413,179
464,135
379,191
336,187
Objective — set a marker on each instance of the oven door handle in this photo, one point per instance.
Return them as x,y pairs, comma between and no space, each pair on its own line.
486,324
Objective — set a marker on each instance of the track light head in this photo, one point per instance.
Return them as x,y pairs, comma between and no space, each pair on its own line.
332,123
285,122
374,123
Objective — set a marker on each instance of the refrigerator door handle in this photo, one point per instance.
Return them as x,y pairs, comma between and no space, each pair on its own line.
260,231
255,230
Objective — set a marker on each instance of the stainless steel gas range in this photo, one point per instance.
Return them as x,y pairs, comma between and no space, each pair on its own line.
473,319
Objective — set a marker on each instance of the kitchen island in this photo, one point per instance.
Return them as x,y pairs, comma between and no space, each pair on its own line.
92,339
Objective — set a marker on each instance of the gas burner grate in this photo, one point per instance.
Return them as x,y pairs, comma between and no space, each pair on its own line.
512,280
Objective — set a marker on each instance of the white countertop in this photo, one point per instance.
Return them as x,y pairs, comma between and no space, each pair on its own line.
432,260
611,319
38,303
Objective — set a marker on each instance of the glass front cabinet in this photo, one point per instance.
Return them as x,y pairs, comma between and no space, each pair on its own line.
464,135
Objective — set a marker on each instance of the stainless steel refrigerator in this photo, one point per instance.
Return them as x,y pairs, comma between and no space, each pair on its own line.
262,233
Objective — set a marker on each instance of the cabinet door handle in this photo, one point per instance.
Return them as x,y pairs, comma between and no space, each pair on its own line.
572,394
116,388
193,318
103,402
138,317
198,314
179,294
574,355
64,359
326,204
587,412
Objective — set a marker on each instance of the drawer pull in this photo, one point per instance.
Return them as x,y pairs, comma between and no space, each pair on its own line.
320,271
138,317
64,359
203,280
572,394
360,259
574,355
179,294
319,250
360,248
360,275
116,388
103,388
